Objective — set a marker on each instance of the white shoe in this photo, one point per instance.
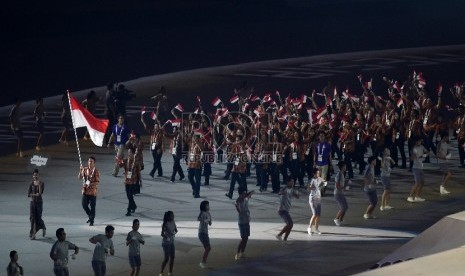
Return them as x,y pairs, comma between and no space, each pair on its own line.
317,232
443,190
419,199
203,265
337,222
410,199
309,231
387,207
279,237
381,208
367,216
237,257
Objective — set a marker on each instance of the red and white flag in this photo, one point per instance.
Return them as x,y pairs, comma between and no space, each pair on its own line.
179,107
234,99
153,115
216,101
174,122
267,98
142,110
400,102
83,118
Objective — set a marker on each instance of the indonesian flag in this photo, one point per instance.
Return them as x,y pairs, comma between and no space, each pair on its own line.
267,98
179,107
153,115
254,98
321,112
216,101
174,122
245,107
400,102
224,112
335,92
197,110
234,99
303,98
83,118
311,115
142,110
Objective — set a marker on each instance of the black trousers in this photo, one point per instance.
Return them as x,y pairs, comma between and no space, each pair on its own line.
88,200
130,195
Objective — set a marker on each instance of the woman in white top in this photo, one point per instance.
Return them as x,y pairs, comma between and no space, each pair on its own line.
386,163
314,199
443,155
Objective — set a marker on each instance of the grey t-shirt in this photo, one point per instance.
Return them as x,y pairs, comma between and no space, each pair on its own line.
134,246
169,232
204,219
61,251
370,176
242,204
102,248
286,195
341,180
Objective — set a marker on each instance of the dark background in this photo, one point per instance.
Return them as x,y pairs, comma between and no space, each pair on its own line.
48,47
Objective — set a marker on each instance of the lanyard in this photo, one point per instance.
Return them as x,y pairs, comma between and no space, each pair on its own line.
121,130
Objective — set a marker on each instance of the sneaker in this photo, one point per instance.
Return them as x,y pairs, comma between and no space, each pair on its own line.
367,216
279,237
203,265
381,208
419,199
238,256
309,231
337,222
37,148
388,207
443,190
410,199
317,232
128,214
228,195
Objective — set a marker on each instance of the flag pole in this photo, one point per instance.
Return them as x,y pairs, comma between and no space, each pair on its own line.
75,133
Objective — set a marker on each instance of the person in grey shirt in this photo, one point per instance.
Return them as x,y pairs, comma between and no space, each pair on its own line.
59,253
205,220
104,245
285,196
242,207
134,240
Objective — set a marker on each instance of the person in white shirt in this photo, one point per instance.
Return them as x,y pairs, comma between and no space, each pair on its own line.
314,199
443,155
418,153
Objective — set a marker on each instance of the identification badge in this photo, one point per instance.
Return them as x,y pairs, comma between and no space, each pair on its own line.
294,155
307,152
173,151
320,158
374,139
425,121
409,133
358,136
236,162
191,157
388,123
128,175
397,135
118,138
275,157
88,182
154,145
